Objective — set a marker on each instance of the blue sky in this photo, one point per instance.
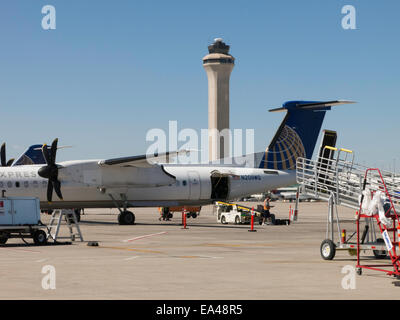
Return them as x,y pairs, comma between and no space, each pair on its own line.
112,70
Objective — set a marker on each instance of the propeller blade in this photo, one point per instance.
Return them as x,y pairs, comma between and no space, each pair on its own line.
10,162
49,191
46,155
57,189
50,170
3,155
53,151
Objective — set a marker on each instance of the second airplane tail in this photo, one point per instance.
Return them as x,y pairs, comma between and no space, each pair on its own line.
32,155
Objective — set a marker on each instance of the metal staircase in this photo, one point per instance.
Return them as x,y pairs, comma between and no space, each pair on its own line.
343,178
70,221
341,182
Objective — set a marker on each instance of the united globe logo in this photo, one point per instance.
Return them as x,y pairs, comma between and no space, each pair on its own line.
287,148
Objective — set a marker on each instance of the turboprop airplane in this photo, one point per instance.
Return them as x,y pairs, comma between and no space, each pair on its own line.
147,181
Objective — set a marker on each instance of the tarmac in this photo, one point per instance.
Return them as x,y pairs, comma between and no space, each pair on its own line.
159,260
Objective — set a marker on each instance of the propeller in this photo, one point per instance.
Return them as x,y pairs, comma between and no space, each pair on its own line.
4,162
50,170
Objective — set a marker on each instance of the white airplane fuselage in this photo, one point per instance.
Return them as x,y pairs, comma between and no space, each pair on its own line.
86,184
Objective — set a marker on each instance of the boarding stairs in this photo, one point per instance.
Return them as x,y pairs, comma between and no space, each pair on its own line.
56,221
343,179
335,178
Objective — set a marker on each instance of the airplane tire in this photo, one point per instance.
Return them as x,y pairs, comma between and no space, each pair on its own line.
39,237
194,215
126,218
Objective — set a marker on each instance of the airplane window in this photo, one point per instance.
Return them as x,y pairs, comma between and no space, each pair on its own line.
44,184
9,184
184,182
26,184
1,184
35,184
17,184
177,183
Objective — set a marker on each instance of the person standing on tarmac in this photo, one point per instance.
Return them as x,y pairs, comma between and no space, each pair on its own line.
165,214
267,207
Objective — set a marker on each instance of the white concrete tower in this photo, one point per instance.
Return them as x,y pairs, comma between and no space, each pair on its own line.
218,65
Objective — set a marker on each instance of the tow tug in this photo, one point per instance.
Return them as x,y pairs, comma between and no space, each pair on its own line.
239,214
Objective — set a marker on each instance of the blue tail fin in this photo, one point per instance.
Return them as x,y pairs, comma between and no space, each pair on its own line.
33,155
297,134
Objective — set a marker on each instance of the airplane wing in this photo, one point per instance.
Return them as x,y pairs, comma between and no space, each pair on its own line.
142,161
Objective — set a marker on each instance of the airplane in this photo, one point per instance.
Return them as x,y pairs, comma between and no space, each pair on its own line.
150,181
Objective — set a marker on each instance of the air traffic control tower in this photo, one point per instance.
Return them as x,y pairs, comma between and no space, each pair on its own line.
218,65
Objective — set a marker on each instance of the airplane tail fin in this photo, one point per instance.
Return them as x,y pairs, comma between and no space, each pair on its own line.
297,134
32,155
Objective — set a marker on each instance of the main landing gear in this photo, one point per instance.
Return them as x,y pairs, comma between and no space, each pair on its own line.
125,217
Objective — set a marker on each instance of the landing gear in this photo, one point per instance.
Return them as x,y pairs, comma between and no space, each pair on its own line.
192,214
126,218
